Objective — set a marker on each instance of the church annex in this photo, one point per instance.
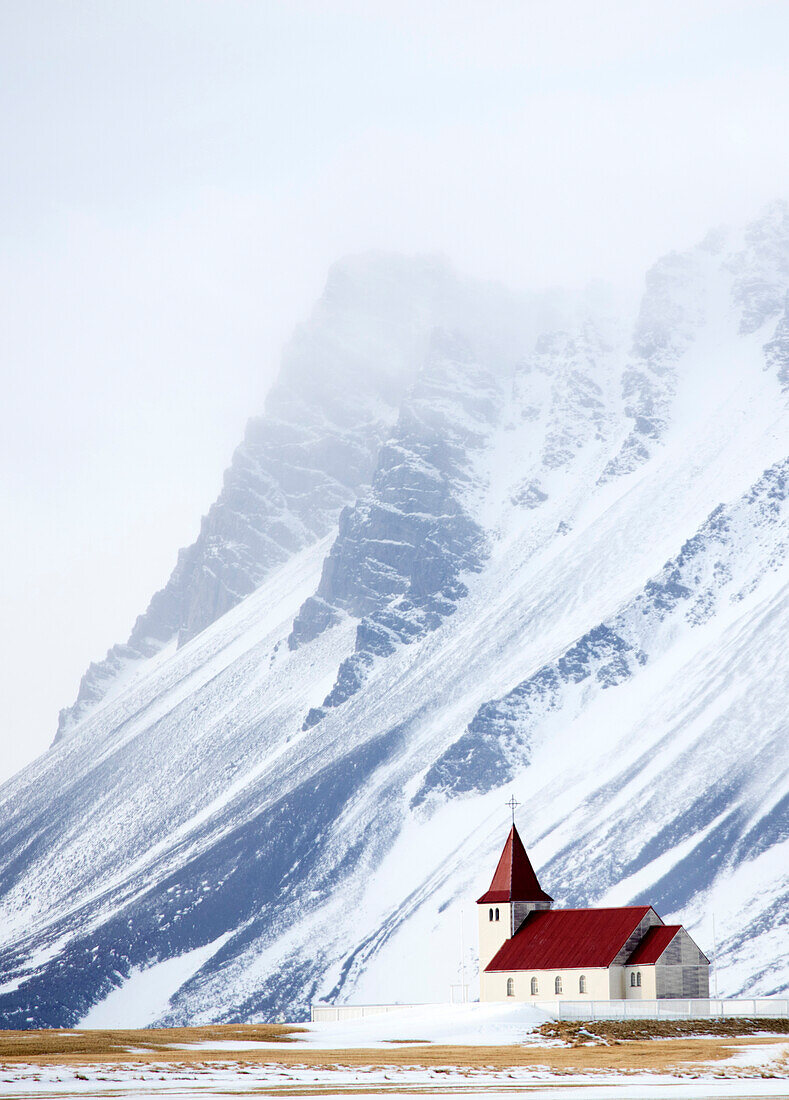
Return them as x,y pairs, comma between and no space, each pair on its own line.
530,951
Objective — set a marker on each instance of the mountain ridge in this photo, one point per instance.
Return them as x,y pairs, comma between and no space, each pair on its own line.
196,814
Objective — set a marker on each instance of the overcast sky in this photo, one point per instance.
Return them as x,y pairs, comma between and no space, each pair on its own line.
178,174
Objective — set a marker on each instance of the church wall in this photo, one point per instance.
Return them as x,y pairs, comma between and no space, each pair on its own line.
682,970
647,991
683,981
521,910
636,937
493,985
616,982
493,933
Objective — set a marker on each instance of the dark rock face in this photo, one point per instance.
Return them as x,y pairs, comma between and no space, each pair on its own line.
284,490
674,307
776,351
706,570
672,311
401,552
500,732
529,495
570,364
312,453
761,268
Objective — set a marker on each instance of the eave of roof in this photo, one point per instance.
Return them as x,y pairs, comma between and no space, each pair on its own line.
493,897
556,939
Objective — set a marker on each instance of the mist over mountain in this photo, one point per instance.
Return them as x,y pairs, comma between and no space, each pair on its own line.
478,543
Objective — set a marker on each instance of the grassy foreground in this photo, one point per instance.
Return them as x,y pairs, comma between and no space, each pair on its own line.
125,1045
617,1031
628,1046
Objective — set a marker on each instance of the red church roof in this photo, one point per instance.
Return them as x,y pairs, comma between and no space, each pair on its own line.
554,939
653,944
514,879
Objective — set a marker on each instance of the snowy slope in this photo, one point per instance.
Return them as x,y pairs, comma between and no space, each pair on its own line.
337,397
563,574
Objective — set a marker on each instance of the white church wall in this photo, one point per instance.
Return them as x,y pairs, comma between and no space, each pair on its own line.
493,933
493,985
616,982
647,991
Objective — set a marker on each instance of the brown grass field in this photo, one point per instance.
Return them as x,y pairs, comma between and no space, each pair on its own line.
632,1046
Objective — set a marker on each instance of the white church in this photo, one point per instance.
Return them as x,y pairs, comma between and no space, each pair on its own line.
530,951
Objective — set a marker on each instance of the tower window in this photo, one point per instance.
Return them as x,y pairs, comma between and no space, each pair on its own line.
510,987
632,980
582,984
557,985
638,978
497,914
490,914
535,989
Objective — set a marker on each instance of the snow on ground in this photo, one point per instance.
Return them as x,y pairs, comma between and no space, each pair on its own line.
146,993
461,1025
764,1056
208,1080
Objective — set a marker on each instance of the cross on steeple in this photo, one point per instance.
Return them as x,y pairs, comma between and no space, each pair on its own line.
513,802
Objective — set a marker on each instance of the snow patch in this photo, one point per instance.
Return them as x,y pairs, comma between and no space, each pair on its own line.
145,995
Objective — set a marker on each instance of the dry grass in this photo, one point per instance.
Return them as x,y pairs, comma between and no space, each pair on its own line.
598,1047
154,1044
407,1042
616,1031
634,1056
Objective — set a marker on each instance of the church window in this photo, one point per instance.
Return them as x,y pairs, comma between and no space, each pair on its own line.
534,987
510,987
582,984
490,915
632,979
638,978
497,914
557,985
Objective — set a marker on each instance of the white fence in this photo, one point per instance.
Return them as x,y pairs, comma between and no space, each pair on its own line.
333,1013
664,1009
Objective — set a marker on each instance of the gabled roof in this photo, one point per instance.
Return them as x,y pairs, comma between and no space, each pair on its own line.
514,879
554,939
653,944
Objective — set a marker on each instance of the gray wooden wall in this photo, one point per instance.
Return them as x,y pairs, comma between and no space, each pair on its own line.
682,970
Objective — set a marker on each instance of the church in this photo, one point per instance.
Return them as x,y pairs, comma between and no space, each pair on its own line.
530,951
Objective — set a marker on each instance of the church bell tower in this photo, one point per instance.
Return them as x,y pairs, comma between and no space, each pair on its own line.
512,895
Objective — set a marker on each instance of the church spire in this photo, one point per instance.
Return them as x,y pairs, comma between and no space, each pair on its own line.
514,879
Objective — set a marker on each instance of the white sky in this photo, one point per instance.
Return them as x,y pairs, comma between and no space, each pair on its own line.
178,174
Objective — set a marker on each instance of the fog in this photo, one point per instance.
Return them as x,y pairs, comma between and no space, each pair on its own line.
178,176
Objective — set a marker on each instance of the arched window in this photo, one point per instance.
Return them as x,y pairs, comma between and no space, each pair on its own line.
535,989
557,985
490,915
638,978
497,914
510,987
582,984
632,980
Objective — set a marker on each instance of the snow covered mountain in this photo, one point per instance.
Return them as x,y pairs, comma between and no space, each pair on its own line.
479,543
314,451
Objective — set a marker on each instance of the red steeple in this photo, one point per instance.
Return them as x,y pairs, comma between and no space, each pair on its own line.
514,879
